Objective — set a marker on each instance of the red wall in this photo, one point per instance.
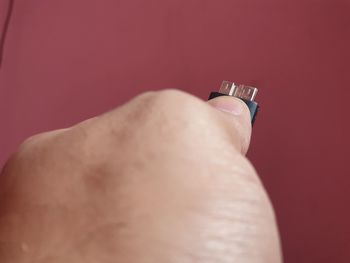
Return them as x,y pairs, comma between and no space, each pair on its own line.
67,60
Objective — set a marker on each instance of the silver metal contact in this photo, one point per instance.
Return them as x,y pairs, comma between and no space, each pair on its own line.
239,91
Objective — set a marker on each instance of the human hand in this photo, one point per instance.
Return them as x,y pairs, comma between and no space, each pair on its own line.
162,178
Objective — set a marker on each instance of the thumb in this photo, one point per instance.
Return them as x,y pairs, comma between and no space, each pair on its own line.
237,117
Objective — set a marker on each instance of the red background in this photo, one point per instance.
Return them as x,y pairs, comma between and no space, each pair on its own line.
67,60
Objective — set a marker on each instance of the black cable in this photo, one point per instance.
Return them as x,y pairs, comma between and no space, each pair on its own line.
5,29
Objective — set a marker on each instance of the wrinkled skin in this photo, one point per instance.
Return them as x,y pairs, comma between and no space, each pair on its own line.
161,179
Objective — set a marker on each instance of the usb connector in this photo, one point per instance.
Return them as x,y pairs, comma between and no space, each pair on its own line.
239,91
245,93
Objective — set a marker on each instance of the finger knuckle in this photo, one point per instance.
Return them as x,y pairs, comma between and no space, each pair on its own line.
32,140
167,105
38,147
168,98
175,98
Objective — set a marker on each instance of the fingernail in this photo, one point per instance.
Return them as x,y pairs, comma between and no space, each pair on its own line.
228,104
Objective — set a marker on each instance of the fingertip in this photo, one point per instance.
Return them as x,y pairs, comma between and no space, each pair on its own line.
238,118
230,105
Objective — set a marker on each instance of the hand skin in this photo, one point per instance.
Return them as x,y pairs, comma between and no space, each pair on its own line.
160,179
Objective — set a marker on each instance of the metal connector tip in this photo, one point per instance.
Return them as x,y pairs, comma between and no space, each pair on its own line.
239,91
